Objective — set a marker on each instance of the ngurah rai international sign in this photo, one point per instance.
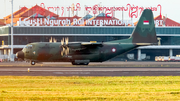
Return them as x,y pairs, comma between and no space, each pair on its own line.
76,22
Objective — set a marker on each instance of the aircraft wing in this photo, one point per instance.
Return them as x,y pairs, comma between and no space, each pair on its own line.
84,45
89,44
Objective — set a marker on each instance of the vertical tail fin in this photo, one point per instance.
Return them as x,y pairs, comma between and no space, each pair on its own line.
144,32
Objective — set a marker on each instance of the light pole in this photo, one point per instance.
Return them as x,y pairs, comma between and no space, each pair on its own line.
12,56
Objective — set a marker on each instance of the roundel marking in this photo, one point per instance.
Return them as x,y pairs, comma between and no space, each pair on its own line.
113,50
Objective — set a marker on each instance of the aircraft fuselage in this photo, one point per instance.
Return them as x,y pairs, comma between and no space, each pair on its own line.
46,52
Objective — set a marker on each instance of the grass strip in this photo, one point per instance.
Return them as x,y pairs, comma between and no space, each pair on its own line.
48,88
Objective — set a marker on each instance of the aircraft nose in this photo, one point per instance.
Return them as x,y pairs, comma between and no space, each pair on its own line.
20,54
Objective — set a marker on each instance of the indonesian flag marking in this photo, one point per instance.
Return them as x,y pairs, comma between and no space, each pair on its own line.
113,50
146,22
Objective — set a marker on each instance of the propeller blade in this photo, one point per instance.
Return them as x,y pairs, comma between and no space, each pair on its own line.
66,40
55,40
62,41
50,40
67,51
62,51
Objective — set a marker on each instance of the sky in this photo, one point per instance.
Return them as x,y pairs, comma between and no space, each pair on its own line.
169,8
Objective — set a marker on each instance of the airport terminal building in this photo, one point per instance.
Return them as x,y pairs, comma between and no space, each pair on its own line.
168,35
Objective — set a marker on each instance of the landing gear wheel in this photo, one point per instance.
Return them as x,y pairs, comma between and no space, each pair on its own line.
73,63
33,63
85,63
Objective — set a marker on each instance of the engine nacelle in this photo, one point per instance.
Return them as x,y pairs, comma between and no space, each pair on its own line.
75,45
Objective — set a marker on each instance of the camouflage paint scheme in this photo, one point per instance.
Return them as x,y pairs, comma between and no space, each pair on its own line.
143,34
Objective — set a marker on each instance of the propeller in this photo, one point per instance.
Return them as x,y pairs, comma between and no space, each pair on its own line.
66,40
55,40
62,51
64,45
52,40
62,41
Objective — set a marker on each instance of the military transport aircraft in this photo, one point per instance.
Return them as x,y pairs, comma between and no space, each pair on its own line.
85,52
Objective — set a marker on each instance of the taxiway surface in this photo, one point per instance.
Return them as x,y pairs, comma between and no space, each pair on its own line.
93,69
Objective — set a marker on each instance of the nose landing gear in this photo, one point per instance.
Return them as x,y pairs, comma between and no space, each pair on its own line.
33,62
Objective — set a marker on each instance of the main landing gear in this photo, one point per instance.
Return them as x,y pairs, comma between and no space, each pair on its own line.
84,63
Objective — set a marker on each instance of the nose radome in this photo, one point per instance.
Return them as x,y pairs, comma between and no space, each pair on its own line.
20,54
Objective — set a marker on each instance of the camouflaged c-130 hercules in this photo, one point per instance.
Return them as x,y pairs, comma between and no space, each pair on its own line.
85,52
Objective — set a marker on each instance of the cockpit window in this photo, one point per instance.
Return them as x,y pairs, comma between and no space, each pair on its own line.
28,47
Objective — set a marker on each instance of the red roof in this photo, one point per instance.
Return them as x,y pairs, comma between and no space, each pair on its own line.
36,10
17,12
25,13
2,22
168,21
